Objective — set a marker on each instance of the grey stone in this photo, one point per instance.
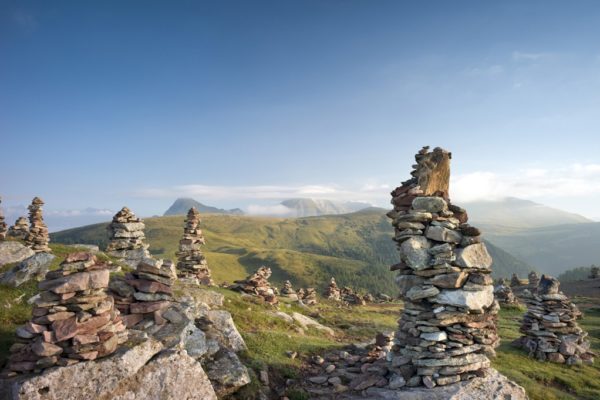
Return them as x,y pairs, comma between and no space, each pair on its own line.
418,292
12,252
470,300
227,373
414,252
474,256
406,282
35,266
430,204
306,322
434,336
228,334
441,234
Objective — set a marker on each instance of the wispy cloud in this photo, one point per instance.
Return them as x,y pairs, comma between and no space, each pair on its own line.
489,71
528,56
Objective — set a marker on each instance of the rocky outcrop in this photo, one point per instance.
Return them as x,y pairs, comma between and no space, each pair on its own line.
333,292
73,319
12,252
34,267
37,238
191,262
20,229
448,326
126,235
257,284
550,328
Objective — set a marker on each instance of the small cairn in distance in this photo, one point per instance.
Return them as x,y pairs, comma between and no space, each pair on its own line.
504,295
37,238
310,297
333,292
74,318
3,226
534,280
288,291
350,297
20,229
192,264
126,235
594,272
515,281
550,328
258,284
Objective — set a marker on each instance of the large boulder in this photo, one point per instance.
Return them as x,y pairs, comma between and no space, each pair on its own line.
306,322
226,372
35,266
172,375
227,334
12,252
493,386
473,300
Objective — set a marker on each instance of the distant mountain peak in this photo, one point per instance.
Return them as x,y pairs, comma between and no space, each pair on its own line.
307,207
182,205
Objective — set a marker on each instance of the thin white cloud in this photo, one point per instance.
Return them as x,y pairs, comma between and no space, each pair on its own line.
528,56
491,70
274,210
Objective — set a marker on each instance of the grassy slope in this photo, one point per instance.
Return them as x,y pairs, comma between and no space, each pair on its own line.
355,248
268,338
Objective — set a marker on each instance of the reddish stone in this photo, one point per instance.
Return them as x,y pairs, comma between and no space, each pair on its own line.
23,366
94,323
132,319
85,339
45,349
147,286
35,328
76,282
80,256
89,356
148,306
64,329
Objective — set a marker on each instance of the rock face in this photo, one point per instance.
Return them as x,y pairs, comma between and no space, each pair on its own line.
34,267
332,292
550,328
73,318
257,284
448,326
11,252
126,235
144,296
37,238
3,227
191,263
20,229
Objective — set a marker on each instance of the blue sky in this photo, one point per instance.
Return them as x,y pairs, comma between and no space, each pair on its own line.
105,104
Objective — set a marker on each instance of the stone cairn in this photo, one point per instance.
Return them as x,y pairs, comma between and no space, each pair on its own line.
145,295
37,238
74,318
192,264
350,297
288,291
333,292
258,284
550,329
20,229
448,325
310,297
3,227
534,279
505,296
594,272
515,281
126,235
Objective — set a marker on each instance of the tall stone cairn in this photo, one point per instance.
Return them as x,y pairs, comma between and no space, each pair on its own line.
515,281
20,229
333,291
550,328
74,319
126,235
192,264
288,291
534,279
258,284
448,325
37,238
3,226
505,296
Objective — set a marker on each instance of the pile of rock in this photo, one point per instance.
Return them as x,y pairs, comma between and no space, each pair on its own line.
288,291
505,296
550,327
515,281
145,295
126,235
534,279
192,264
37,238
258,284
348,296
333,292
310,297
73,318
3,227
20,229
594,272
448,325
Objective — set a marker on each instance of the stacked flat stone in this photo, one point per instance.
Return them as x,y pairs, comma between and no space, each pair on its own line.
126,235
333,292
192,264
258,284
20,229
37,238
550,328
348,296
288,291
534,279
515,281
310,297
448,325
3,226
505,296
74,319
143,296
